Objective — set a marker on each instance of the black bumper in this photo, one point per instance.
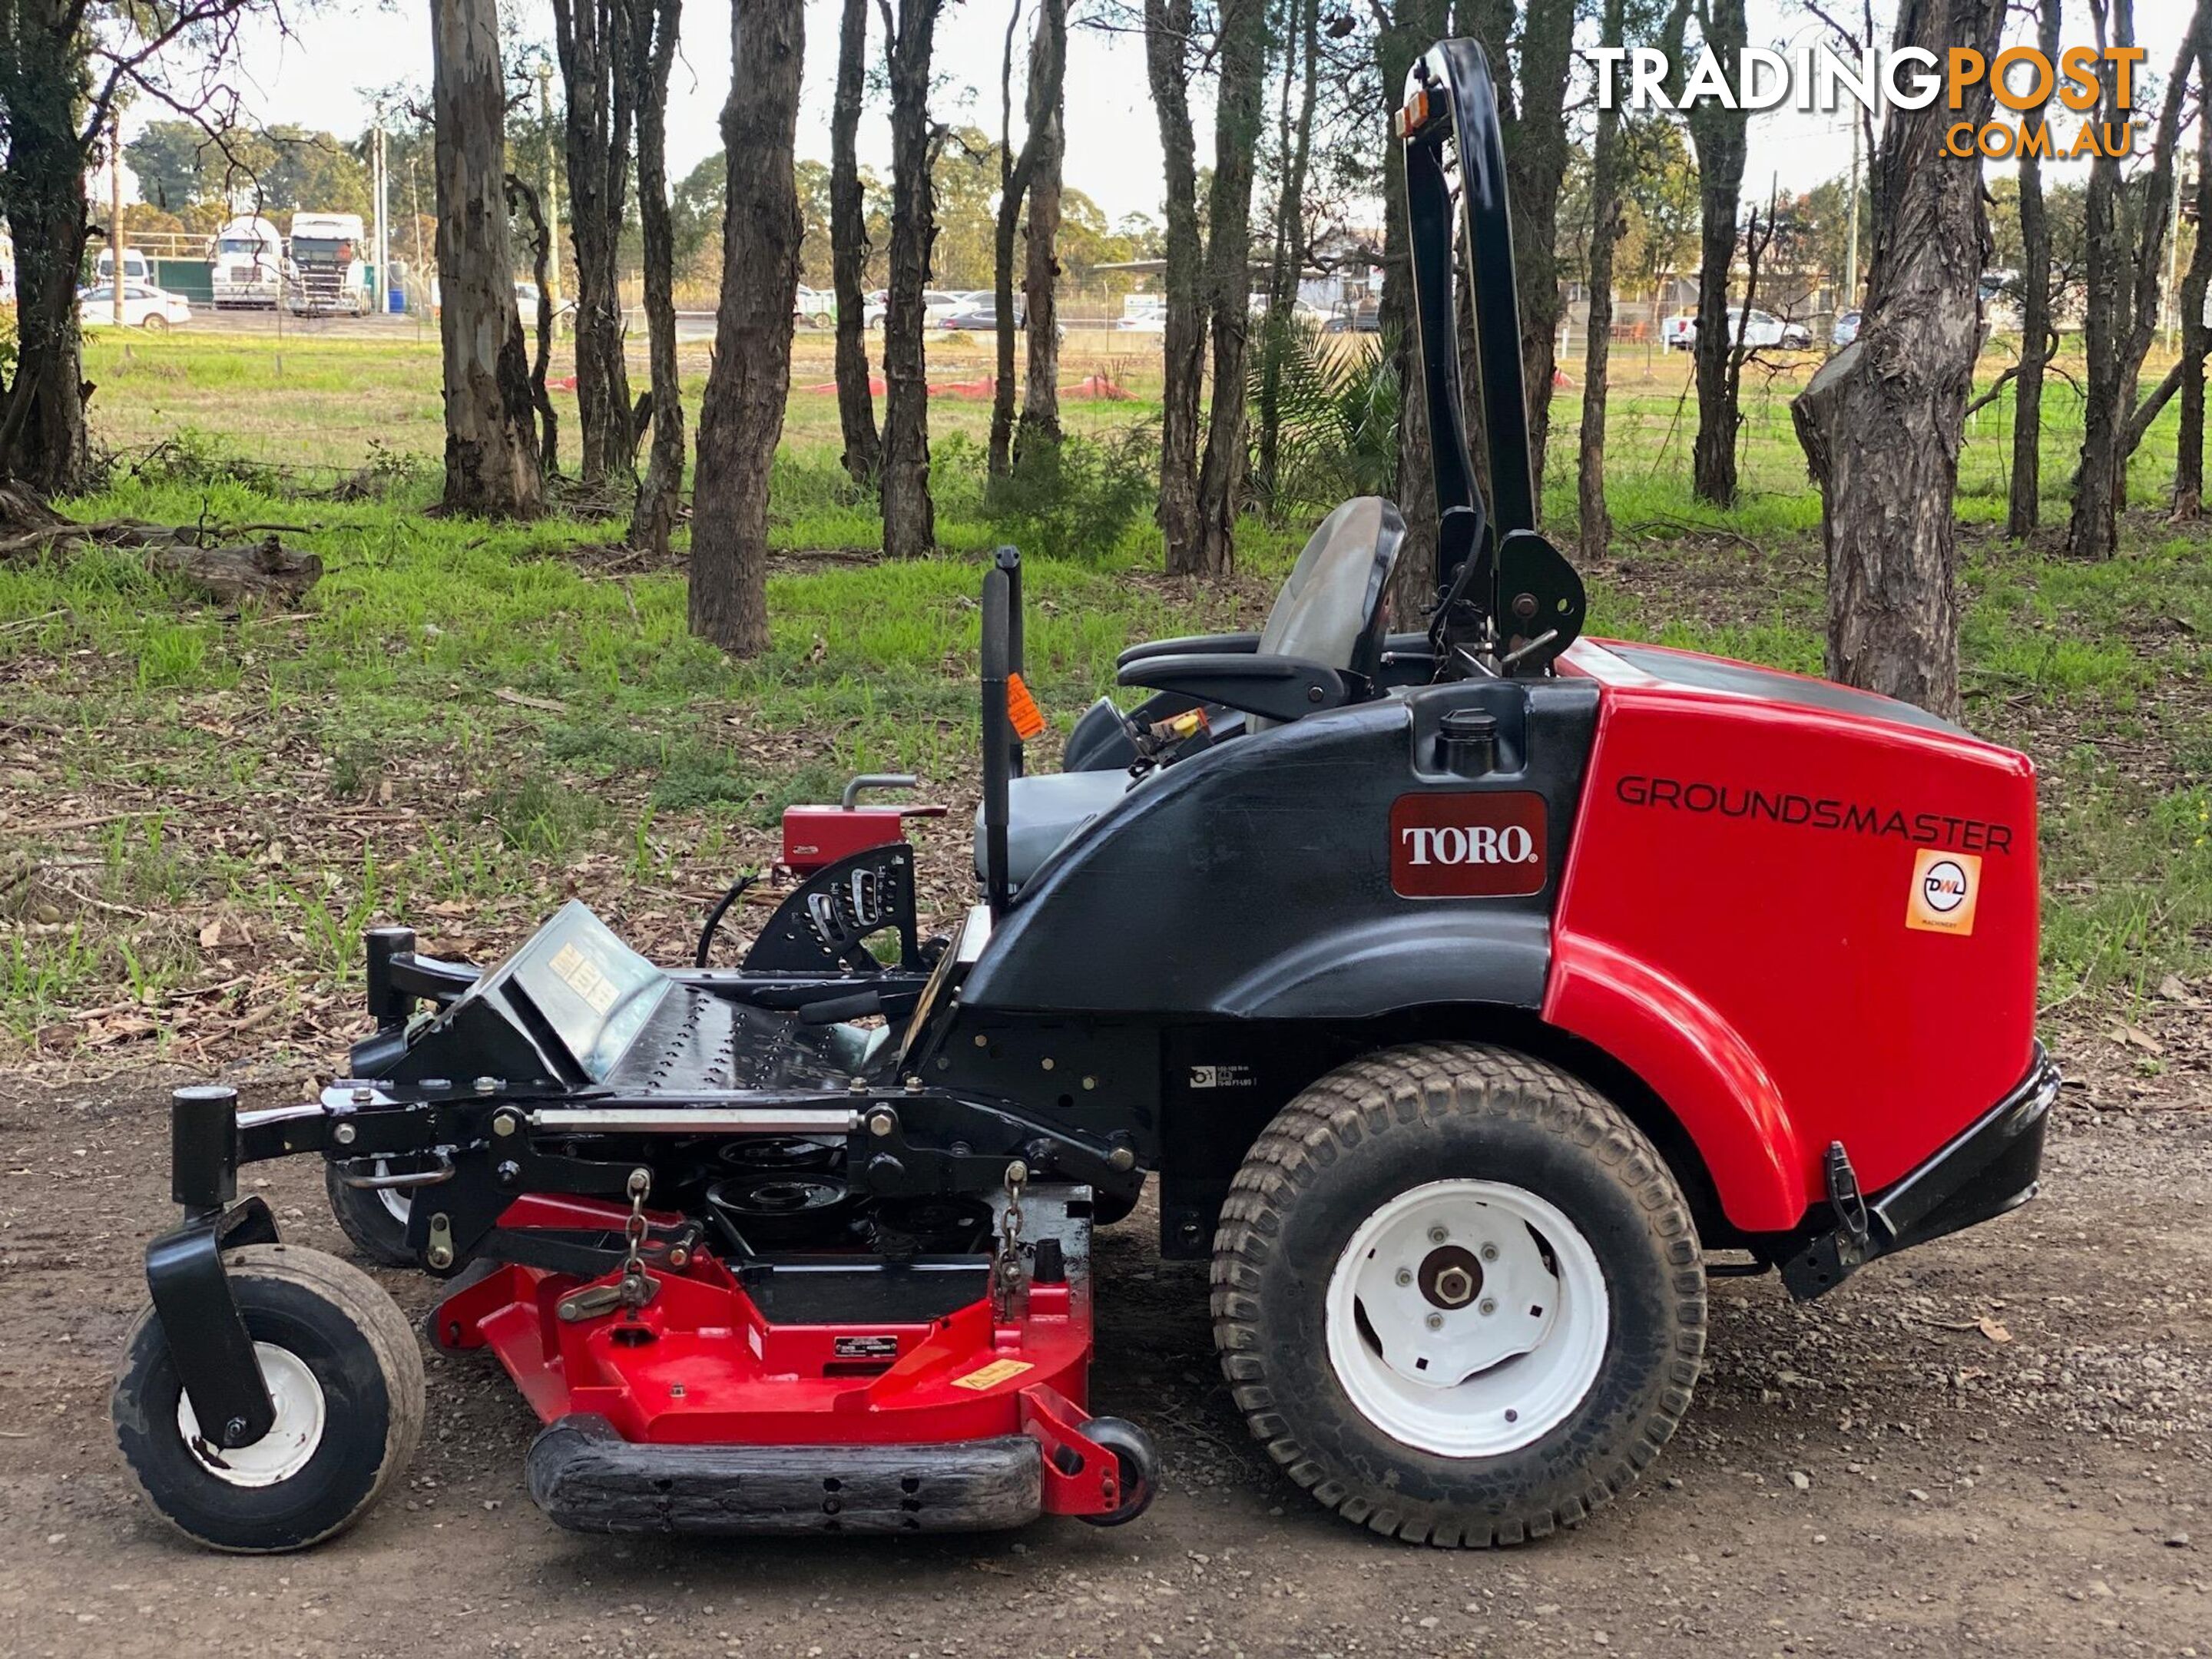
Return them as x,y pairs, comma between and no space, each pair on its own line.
589,1479
1991,1166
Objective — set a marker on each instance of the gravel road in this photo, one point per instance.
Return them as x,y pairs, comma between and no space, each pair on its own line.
2001,1443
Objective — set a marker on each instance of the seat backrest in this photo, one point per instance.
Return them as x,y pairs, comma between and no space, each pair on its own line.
1331,610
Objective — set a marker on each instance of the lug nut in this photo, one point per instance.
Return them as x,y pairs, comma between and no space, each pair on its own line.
1436,1321
1437,1235
1454,1286
1405,1276
1490,1253
1488,1305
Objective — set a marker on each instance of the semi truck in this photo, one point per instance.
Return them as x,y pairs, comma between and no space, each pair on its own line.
327,270
246,265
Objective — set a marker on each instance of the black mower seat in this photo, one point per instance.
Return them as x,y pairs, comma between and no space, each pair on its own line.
1330,612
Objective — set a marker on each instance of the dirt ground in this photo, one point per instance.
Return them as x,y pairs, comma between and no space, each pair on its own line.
2001,1443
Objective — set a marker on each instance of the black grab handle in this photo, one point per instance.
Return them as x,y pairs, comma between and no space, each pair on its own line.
1010,561
997,725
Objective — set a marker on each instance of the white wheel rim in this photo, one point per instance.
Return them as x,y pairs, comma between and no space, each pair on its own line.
398,1201
1481,1363
292,1440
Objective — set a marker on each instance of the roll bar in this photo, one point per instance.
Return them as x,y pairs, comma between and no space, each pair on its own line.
999,747
1506,596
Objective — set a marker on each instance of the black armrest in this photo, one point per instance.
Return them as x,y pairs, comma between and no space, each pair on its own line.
1274,688
1212,644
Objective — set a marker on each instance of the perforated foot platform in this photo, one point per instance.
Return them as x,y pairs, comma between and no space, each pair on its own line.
588,1478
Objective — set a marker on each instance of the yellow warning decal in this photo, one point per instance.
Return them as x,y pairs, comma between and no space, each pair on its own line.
990,1375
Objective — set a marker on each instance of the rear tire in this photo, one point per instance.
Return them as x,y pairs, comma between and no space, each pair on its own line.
1459,1212
342,1365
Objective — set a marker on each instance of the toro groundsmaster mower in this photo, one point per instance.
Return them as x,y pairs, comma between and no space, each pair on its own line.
1461,989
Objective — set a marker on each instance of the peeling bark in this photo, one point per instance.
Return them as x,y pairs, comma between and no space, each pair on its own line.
848,248
1167,41
1594,525
1048,63
1882,421
2024,499
1242,54
591,38
741,418
491,457
910,515
653,38
1039,426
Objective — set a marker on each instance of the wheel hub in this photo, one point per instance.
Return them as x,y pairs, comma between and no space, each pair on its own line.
1450,1276
292,1438
1468,1318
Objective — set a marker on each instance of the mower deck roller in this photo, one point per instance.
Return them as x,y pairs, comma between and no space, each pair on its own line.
1461,988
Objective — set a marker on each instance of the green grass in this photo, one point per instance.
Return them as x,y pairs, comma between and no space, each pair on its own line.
311,773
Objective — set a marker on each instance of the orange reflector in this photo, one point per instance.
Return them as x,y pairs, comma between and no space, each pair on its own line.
1022,709
1415,113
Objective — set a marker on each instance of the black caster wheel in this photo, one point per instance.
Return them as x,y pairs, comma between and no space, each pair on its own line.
1139,1468
375,1220
346,1378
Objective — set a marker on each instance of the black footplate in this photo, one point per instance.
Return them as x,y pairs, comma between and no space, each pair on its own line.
589,1479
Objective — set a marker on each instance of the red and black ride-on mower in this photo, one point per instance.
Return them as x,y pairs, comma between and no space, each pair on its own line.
1462,989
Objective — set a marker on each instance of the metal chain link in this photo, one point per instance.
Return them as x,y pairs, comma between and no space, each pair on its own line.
636,1288
1007,1270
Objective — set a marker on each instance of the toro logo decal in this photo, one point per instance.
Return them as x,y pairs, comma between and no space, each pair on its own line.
1945,886
1468,844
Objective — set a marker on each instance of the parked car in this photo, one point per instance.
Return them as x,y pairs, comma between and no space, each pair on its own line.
1757,329
980,314
937,304
1846,330
1365,318
154,309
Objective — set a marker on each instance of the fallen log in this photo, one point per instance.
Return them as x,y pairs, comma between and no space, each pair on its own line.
266,570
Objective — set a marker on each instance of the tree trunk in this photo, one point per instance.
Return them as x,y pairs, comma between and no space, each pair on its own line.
1294,143
491,461
2196,338
1241,53
1882,421
1167,65
1039,427
2024,501
591,37
43,441
741,418
1718,134
2122,315
520,197
1608,220
1532,108
1015,173
848,248
652,37
909,515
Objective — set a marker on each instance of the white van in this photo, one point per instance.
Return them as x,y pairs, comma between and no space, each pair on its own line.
136,267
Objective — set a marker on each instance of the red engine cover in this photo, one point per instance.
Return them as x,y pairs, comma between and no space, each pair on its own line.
1799,919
